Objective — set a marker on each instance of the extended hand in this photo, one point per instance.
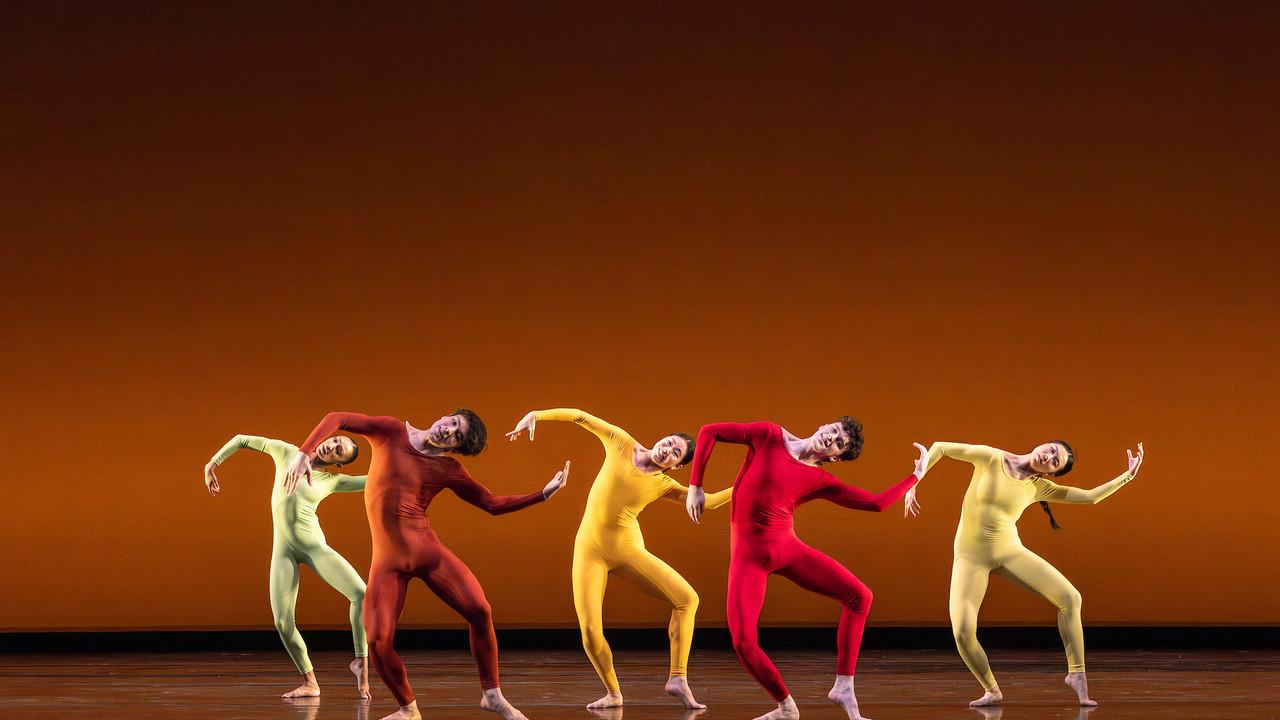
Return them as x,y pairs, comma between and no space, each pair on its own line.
1135,461
528,422
211,479
298,469
696,503
911,506
922,462
559,481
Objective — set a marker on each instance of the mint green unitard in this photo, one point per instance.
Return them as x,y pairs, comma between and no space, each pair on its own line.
299,540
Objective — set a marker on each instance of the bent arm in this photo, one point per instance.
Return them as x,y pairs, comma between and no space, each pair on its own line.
709,435
1079,496
242,442
475,493
601,429
856,498
679,493
354,423
959,451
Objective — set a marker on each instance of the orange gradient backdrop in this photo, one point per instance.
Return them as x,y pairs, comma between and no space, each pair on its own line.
1039,222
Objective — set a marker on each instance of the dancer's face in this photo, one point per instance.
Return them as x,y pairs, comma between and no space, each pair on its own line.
448,431
337,450
666,453
1048,458
830,440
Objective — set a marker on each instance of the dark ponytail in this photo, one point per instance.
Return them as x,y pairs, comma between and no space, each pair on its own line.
1066,468
1049,511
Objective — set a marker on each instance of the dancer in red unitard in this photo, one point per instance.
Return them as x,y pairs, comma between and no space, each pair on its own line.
782,471
408,469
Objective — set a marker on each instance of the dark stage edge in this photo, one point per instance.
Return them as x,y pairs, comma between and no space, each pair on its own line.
816,638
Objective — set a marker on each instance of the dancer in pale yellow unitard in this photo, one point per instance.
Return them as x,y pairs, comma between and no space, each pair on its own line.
609,541
1003,485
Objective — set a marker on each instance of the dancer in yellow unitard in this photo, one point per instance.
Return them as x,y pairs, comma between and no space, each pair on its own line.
1003,485
609,541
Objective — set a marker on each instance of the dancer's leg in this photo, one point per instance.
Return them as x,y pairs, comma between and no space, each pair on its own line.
816,572
590,576
454,583
383,603
657,579
968,588
747,582
283,586
338,573
1034,573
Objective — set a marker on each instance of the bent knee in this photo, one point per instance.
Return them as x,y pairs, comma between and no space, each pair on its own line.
1071,603
686,601
859,600
746,646
479,613
964,632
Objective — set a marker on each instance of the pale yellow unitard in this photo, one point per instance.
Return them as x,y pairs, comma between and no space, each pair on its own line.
987,542
609,541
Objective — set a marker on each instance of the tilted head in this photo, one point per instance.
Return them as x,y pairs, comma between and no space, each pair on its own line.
1053,459
461,431
672,451
337,450
839,440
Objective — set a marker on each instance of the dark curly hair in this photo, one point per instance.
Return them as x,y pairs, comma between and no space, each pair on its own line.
1066,468
688,451
854,428
477,435
355,453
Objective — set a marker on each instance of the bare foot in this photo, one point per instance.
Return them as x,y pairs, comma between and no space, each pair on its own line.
678,687
360,668
611,699
406,712
842,694
786,710
1077,682
308,688
495,703
991,697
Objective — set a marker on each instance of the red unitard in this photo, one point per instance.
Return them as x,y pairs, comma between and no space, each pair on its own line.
402,482
763,541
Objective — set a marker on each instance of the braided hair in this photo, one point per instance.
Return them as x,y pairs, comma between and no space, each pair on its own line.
1066,468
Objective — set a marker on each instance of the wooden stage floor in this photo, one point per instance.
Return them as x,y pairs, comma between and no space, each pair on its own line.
892,685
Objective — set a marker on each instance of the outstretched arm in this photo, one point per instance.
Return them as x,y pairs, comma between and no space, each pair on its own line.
356,423
1053,492
351,483
233,446
472,491
838,492
679,493
958,451
606,432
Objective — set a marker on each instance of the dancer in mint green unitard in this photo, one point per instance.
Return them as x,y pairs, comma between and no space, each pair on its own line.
300,541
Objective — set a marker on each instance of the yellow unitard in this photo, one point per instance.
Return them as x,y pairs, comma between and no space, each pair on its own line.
987,542
609,541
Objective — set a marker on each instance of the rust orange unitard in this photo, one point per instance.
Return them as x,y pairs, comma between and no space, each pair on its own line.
771,483
402,482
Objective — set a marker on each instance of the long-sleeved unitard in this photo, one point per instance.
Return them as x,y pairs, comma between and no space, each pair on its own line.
771,483
987,541
609,541
298,540
402,482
